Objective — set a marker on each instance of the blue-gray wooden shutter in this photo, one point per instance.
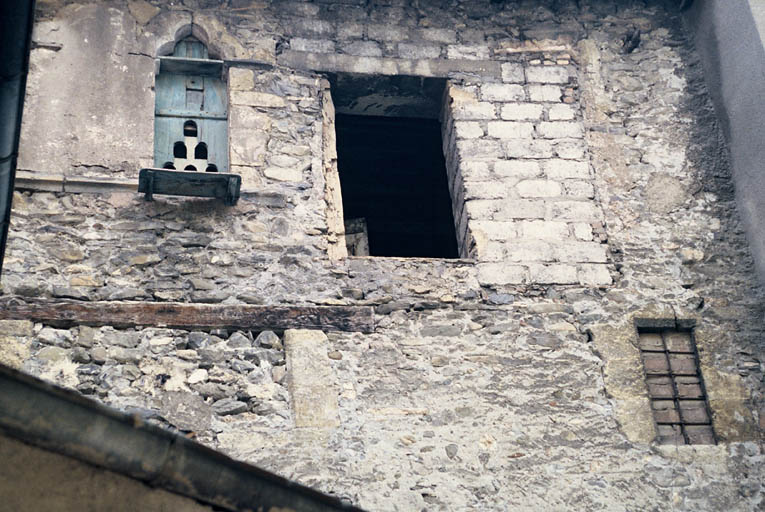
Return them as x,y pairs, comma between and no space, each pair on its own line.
189,88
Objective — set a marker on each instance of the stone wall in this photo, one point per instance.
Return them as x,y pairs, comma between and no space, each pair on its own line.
591,190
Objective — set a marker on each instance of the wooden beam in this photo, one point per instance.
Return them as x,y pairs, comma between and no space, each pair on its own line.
191,316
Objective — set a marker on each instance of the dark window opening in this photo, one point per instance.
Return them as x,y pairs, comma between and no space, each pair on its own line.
676,387
190,129
211,168
200,152
392,170
189,168
168,165
179,150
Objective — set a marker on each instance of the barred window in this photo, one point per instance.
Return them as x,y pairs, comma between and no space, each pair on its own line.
676,387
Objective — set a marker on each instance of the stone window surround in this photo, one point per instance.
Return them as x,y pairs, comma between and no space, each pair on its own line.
585,264
617,345
379,66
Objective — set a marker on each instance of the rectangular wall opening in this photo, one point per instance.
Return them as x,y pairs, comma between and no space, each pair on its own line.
675,386
391,165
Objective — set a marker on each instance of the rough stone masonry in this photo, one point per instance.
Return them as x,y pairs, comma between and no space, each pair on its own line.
591,194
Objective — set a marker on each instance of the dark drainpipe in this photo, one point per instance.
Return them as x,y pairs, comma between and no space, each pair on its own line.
16,19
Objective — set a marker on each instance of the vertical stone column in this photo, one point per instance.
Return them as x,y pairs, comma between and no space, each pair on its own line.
335,228
311,381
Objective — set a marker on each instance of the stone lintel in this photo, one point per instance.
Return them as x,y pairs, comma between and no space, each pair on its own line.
388,66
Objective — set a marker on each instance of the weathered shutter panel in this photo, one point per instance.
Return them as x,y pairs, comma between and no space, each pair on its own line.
200,98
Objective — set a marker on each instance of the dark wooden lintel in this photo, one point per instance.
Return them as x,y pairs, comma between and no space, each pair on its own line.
191,316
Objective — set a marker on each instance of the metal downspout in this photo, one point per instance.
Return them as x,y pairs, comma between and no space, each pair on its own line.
16,20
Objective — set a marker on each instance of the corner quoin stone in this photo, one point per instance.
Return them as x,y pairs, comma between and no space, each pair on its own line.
310,379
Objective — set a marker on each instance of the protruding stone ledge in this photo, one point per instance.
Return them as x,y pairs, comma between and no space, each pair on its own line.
388,66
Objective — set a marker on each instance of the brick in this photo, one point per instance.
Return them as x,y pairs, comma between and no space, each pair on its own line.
560,113
312,45
520,209
356,30
386,32
493,209
580,189
283,174
544,93
418,51
363,49
482,209
311,27
594,275
560,130
502,92
473,110
496,230
467,130
484,190
500,274
438,35
475,170
543,229
524,148
468,52
581,252
521,111
491,250
538,188
256,99
510,130
248,147
584,211
582,231
478,149
513,72
569,149
547,74
560,169
241,79
529,250
517,168
553,274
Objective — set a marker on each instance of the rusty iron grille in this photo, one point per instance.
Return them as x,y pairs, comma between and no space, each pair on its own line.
676,387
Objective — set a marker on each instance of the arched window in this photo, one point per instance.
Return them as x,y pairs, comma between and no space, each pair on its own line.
189,129
191,110
200,152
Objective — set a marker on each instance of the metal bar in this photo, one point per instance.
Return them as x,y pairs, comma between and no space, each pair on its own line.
672,375
675,392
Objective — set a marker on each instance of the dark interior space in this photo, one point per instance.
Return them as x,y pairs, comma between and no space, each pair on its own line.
393,174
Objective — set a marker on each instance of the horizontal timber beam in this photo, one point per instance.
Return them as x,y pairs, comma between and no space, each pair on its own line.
191,316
